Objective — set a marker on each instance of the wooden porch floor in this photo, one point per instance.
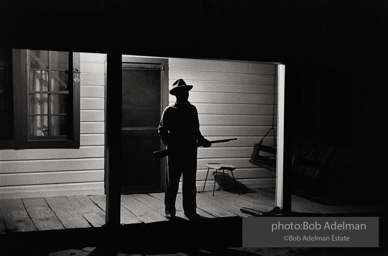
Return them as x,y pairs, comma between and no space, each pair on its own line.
75,212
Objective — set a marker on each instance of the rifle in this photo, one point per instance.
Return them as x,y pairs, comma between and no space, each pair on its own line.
163,153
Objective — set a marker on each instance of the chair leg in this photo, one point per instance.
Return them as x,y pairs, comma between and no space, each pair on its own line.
235,182
205,180
214,185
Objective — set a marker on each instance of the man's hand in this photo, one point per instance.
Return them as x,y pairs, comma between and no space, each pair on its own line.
205,143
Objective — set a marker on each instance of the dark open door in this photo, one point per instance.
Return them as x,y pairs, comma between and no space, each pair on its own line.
142,105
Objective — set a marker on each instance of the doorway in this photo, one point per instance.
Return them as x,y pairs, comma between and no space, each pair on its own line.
144,87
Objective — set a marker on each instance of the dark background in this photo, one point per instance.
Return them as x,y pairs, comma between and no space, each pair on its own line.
335,51
335,54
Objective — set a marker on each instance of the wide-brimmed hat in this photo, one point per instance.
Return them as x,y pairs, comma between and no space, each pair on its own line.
180,84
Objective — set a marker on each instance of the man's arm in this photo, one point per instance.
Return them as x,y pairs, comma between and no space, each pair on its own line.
163,128
200,139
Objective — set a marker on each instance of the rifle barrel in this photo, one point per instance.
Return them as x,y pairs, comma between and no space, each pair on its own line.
163,153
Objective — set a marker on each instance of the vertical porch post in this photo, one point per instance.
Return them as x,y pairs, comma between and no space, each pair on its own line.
284,149
113,138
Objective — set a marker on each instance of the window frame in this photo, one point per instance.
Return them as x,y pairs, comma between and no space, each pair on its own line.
21,106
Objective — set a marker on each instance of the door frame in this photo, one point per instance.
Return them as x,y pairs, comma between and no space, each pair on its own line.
163,63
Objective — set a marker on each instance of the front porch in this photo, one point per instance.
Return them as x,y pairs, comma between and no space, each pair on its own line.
77,212
79,220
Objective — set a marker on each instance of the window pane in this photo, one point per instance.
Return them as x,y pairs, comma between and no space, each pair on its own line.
39,126
58,104
59,60
39,59
39,103
49,96
58,126
58,81
38,80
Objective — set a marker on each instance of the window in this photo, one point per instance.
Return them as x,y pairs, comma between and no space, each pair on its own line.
46,99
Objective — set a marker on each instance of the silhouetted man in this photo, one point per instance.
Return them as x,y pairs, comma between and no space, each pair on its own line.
179,130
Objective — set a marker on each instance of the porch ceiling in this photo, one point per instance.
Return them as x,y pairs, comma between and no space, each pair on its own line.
305,31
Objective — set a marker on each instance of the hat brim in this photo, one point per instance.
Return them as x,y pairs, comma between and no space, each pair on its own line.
184,87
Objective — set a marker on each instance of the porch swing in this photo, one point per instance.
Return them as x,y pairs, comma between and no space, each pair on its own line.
264,156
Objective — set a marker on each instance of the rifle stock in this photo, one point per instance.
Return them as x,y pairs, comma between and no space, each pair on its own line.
163,153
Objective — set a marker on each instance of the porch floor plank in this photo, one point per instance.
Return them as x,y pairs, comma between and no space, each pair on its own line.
41,214
141,211
65,212
245,200
208,206
262,196
91,212
152,202
223,204
15,216
300,204
237,200
179,206
126,216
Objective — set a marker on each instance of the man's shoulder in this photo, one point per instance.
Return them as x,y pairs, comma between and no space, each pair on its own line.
170,107
174,107
169,110
193,107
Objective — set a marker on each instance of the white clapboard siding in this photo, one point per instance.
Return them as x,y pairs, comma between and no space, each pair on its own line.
94,68
240,142
42,154
32,166
92,103
92,127
231,98
232,120
222,66
92,115
212,86
92,139
234,99
230,152
44,190
230,76
92,92
20,179
92,79
92,57
234,109
238,162
258,131
252,173
55,172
